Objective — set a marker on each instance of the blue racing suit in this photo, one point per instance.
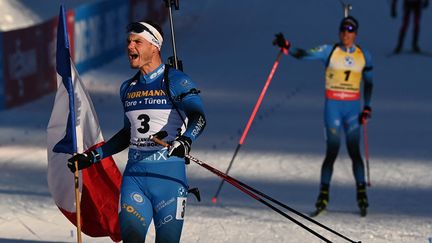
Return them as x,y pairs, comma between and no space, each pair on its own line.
155,186
345,69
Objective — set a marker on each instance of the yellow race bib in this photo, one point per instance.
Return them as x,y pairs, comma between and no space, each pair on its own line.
344,74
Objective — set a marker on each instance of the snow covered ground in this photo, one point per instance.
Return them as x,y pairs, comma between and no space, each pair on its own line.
226,48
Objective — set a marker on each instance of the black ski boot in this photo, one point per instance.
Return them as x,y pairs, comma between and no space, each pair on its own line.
362,199
322,200
398,49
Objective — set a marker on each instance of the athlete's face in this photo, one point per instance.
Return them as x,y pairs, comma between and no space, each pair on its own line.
347,37
140,51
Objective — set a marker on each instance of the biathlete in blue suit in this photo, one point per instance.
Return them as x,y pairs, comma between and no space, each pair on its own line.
157,98
346,66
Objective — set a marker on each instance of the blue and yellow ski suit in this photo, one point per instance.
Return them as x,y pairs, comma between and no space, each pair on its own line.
345,70
154,186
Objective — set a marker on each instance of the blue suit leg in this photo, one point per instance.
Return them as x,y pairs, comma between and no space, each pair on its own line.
135,212
169,219
352,131
332,131
168,186
333,144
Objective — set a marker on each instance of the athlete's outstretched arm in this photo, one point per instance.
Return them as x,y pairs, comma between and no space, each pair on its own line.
298,53
318,53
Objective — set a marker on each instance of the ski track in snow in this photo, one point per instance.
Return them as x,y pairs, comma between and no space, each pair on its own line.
230,58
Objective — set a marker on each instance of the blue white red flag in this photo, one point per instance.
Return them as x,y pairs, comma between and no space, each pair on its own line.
74,128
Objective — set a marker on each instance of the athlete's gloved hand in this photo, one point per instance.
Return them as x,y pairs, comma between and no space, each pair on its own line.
281,42
180,147
365,114
425,3
84,160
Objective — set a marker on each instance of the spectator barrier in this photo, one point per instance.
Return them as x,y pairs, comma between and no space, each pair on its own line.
96,35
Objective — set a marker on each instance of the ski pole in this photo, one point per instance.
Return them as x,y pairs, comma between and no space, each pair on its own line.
239,184
244,187
77,203
283,50
236,183
366,145
289,208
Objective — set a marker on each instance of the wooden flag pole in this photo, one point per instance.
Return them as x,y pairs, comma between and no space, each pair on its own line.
77,203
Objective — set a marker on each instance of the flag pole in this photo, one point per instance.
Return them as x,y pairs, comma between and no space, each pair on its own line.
77,203
64,137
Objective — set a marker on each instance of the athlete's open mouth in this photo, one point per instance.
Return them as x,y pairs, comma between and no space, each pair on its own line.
133,56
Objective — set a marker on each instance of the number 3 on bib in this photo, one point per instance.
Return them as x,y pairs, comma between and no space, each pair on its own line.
145,119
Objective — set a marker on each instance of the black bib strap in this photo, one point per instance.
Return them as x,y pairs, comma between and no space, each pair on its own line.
167,87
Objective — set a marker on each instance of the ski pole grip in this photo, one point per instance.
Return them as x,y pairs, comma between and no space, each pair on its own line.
166,145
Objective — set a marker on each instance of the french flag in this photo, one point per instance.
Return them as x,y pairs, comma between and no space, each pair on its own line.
74,128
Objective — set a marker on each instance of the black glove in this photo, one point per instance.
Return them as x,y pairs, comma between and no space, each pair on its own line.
425,3
84,160
365,114
299,53
281,42
180,147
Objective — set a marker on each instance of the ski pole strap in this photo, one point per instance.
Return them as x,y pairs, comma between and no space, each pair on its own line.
167,87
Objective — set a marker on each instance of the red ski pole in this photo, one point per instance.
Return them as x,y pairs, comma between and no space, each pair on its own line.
284,46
